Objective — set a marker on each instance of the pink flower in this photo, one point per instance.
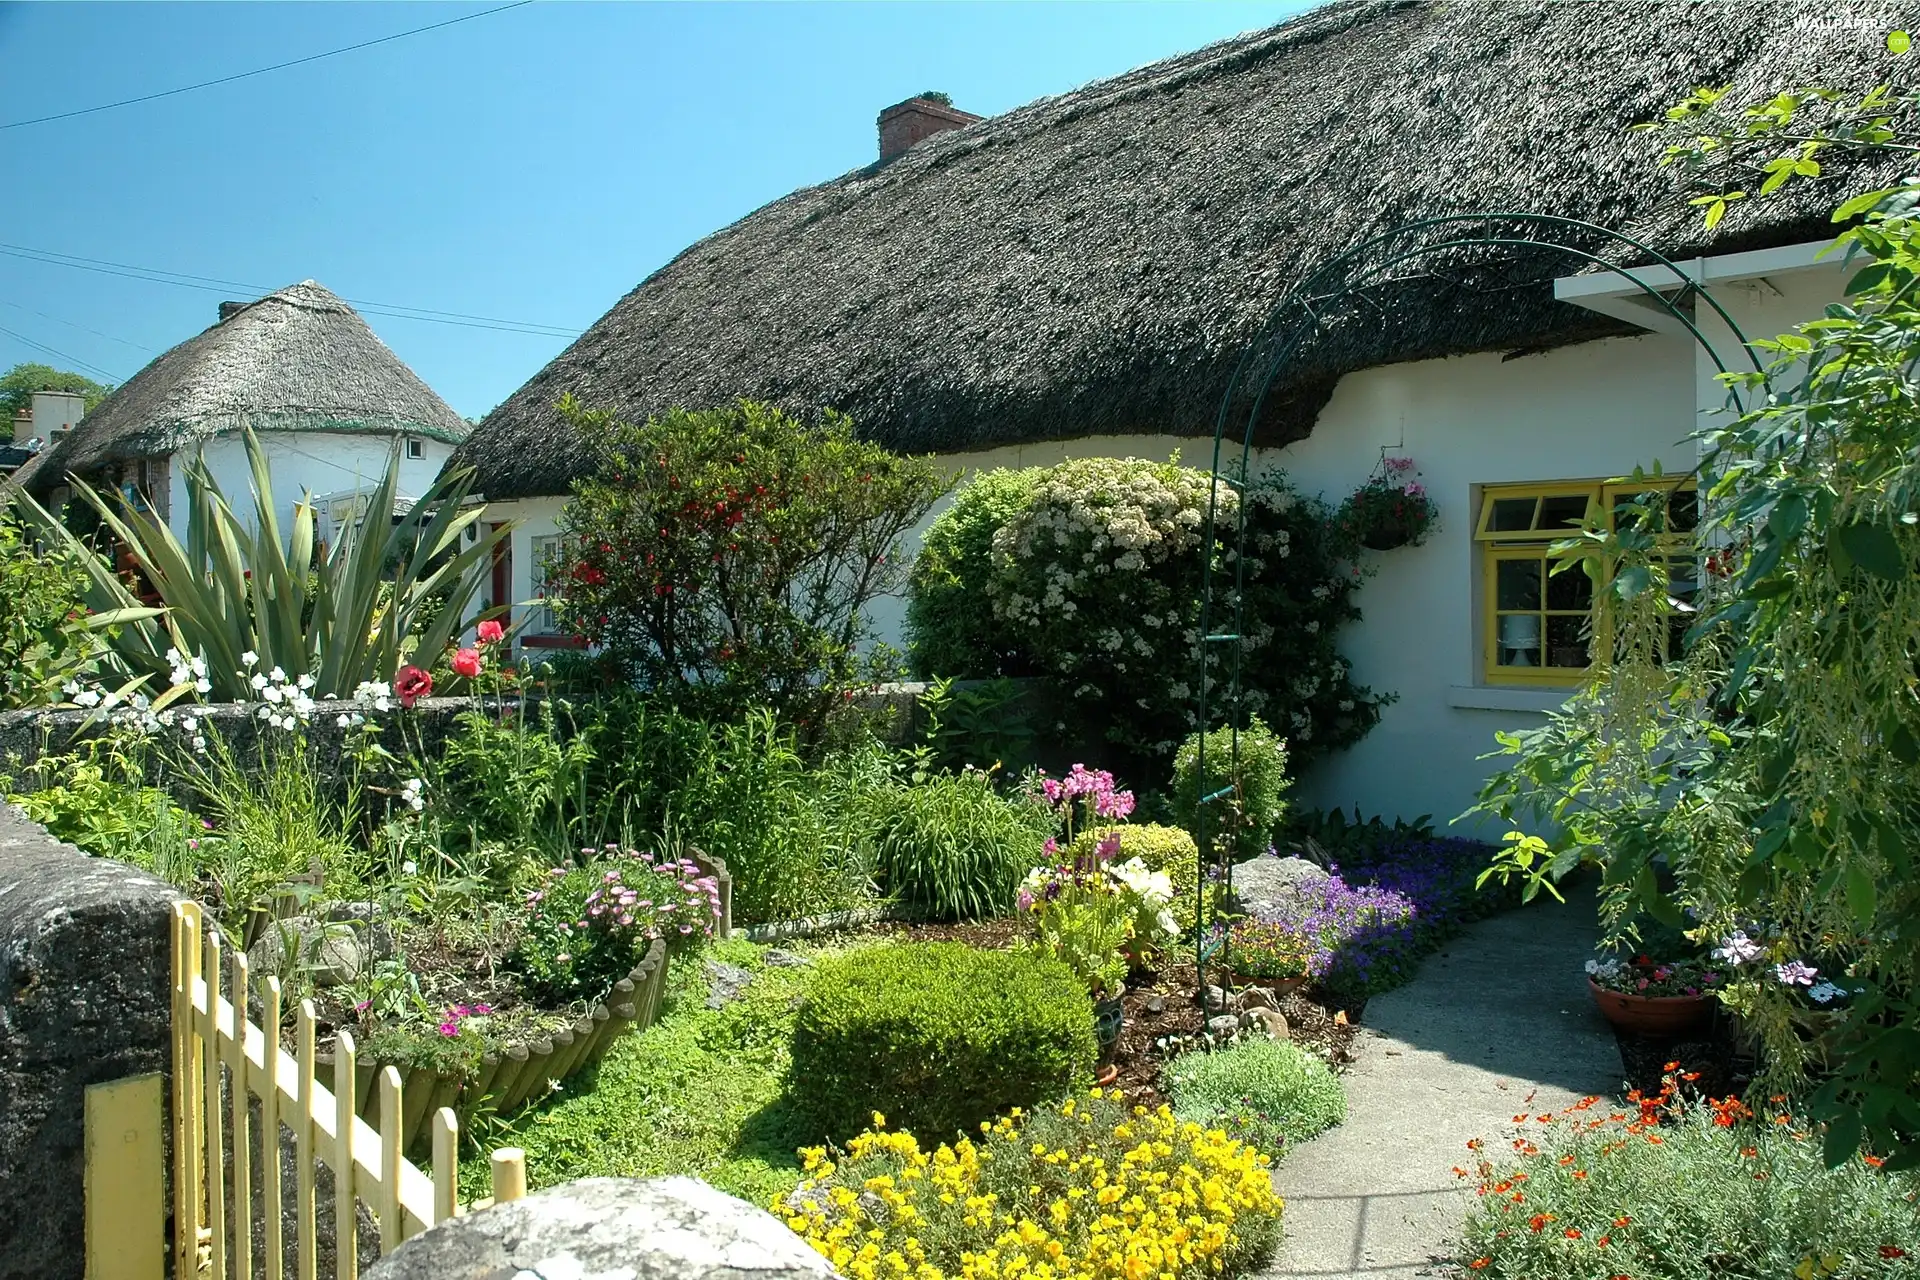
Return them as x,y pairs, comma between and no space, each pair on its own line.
411,685
466,662
1108,848
490,632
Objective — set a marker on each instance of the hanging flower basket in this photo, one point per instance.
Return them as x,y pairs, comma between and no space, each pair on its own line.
1391,509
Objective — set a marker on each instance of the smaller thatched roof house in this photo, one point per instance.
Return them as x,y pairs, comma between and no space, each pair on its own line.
299,367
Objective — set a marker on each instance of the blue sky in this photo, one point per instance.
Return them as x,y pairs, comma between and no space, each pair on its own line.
532,165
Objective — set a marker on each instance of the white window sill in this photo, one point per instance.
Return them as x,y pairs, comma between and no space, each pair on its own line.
1488,697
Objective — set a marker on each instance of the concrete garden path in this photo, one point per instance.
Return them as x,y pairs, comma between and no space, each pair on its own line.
1500,1013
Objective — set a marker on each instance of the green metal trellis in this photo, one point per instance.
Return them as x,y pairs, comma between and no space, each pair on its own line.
1309,309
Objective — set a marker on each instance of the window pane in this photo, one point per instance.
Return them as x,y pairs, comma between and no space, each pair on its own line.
1561,513
1567,642
1683,511
1570,589
1511,515
1517,640
1518,585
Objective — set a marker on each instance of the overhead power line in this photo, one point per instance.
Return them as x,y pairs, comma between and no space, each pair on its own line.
4,302
261,71
212,284
58,354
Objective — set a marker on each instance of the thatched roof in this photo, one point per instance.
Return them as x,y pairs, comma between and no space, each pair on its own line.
298,359
1097,262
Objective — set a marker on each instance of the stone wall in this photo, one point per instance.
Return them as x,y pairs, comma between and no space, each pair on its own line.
84,998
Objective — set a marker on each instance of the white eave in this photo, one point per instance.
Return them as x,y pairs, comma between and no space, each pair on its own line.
1613,294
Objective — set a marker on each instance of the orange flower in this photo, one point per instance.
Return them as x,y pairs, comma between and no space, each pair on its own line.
1474,1144
1749,1152
1655,1139
1671,1066
1458,1172
1579,1173
1538,1222
1571,1233
1873,1161
1622,1220
1603,1242
1565,1161
1892,1251
1479,1263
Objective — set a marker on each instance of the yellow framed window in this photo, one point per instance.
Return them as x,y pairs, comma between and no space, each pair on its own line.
1539,627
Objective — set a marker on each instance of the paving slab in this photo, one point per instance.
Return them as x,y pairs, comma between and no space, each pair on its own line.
1498,1021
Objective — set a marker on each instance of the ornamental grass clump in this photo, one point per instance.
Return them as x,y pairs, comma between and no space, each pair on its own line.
1083,1190
1671,1189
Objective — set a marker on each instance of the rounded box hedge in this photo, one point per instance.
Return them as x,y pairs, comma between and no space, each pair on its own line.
937,1037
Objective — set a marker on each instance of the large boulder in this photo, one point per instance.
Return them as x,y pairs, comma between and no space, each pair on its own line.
1279,881
611,1229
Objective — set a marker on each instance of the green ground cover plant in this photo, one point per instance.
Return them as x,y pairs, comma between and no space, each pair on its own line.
939,1035
1268,1094
700,1092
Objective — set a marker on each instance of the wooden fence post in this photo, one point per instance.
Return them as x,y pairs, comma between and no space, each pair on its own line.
125,1184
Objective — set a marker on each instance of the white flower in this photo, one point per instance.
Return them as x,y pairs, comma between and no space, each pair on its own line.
258,681
272,693
248,658
203,685
344,721
265,712
416,804
173,656
87,698
277,675
70,688
305,681
190,724
199,743
199,665
408,867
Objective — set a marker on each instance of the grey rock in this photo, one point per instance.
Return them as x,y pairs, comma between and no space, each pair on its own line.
85,947
370,926
1223,1025
610,1229
328,952
1259,880
1219,1001
1270,1021
784,959
725,983
1156,1004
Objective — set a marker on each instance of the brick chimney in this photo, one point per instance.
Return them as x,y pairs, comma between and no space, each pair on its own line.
228,310
919,117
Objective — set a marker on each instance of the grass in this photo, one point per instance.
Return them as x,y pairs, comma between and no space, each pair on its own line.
698,1093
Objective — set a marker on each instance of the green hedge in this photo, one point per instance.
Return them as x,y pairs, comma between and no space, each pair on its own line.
937,1037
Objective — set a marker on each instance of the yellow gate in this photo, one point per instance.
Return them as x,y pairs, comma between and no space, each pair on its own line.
222,1063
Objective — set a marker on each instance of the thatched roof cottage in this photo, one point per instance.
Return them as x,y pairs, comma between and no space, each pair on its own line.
1080,276
300,367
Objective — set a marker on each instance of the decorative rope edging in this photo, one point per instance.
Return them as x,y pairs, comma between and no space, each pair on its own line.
829,923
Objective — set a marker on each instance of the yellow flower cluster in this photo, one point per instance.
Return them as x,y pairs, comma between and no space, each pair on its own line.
1085,1190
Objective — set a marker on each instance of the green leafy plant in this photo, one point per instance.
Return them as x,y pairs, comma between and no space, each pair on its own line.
1267,1093
109,818
952,846
950,631
509,776
589,926
987,724
1259,782
44,639
938,1036
1160,848
726,558
238,585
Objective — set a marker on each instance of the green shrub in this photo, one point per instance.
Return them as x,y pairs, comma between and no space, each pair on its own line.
1090,572
1162,848
43,642
108,818
937,1037
1267,1093
1261,781
1703,1191
725,558
954,847
951,629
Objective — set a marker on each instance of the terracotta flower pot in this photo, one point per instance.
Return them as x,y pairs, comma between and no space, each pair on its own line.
1650,1015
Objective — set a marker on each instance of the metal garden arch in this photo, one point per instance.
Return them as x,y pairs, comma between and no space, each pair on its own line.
1309,309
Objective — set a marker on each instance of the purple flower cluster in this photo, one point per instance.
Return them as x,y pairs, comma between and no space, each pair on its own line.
450,1024
1091,789
1356,932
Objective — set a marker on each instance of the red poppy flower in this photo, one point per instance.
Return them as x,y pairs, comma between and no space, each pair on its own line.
490,632
411,685
466,662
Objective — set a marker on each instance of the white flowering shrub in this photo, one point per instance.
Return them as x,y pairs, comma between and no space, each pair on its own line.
1094,578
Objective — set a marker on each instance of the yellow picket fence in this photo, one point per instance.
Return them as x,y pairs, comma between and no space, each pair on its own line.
221,1061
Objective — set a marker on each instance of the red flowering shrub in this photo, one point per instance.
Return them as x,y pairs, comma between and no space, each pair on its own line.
726,557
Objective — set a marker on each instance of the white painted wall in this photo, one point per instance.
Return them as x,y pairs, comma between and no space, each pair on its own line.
305,462
1591,411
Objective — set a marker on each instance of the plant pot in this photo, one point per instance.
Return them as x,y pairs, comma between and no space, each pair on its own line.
1385,539
1661,1016
1109,1016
